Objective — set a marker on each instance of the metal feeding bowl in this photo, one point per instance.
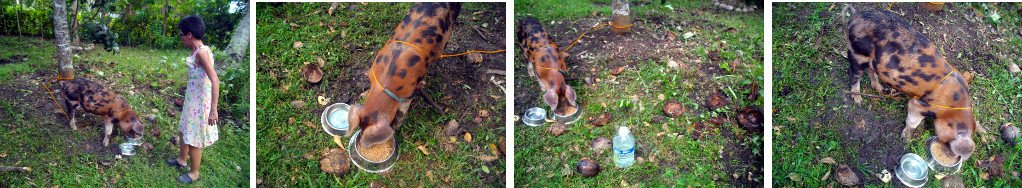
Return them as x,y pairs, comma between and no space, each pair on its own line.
335,119
936,165
568,118
367,165
534,116
912,170
127,149
134,141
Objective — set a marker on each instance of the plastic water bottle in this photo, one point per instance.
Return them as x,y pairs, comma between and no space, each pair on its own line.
624,148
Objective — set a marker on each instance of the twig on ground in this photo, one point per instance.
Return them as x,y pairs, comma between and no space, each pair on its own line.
864,94
14,169
422,93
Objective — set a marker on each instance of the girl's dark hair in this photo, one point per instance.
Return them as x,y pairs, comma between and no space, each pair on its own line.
192,24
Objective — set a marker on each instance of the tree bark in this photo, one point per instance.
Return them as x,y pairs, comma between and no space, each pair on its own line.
18,14
166,14
622,18
238,49
60,32
74,23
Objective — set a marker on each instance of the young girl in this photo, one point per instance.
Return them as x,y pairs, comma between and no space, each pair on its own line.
198,118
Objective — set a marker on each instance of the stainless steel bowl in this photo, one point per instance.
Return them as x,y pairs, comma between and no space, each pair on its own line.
534,116
367,165
912,170
937,166
335,130
568,118
127,149
134,141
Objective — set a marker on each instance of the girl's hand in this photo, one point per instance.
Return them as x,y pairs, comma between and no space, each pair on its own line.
212,117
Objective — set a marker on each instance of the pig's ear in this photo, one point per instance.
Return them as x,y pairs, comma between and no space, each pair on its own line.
353,118
137,127
379,132
550,98
569,93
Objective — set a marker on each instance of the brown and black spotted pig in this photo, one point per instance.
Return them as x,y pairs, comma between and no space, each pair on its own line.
398,68
884,46
96,99
547,62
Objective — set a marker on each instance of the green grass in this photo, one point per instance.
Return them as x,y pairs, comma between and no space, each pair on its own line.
802,46
545,160
575,9
36,138
289,155
39,58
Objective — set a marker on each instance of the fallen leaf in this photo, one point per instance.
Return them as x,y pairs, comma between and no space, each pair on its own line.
297,45
825,176
828,160
487,158
846,176
468,137
422,148
484,113
337,140
618,71
475,57
297,104
557,128
452,128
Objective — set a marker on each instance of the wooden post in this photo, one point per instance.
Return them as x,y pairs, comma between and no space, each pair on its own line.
622,17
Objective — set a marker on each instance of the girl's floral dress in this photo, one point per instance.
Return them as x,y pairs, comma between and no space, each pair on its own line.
194,125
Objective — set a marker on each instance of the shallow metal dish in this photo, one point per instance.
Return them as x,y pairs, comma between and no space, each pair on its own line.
534,116
912,170
569,118
127,149
367,165
134,141
936,166
324,119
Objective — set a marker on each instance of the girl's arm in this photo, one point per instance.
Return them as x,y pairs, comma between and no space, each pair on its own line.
205,60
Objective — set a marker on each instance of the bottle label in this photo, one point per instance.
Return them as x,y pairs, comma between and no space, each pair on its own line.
623,152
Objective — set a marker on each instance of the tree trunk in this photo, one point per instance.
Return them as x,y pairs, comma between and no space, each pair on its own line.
66,68
18,14
622,18
238,49
74,23
166,13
